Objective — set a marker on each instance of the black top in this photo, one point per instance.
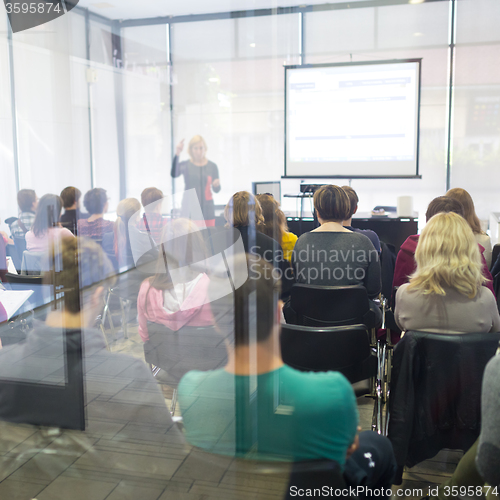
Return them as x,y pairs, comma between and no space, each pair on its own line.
69,220
258,243
200,179
337,259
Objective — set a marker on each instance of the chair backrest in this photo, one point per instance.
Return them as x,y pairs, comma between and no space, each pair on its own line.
316,475
436,392
190,348
345,349
33,262
331,305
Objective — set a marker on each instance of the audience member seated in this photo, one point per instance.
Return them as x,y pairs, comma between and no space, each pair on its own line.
95,202
470,216
405,262
27,201
176,296
71,202
117,243
245,214
259,408
46,229
275,225
353,198
445,294
331,255
152,220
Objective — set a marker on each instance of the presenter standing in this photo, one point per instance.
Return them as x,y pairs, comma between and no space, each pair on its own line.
200,174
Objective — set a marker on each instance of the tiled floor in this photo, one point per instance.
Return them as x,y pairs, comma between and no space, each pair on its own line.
416,481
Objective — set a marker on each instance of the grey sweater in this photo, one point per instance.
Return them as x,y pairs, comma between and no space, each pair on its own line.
488,455
337,259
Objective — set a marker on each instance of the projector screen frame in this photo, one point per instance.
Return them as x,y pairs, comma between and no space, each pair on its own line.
358,63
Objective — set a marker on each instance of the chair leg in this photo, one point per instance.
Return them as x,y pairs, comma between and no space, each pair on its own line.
106,313
125,306
173,404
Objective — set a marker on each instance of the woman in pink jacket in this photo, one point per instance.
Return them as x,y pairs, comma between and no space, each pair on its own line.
177,296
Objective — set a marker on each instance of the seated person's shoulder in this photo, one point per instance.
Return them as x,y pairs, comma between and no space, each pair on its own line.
318,382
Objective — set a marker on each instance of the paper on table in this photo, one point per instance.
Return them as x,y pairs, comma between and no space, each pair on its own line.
11,268
12,300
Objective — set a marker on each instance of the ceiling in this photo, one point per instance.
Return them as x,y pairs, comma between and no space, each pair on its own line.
134,9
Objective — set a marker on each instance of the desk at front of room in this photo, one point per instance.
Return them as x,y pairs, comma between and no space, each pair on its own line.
390,228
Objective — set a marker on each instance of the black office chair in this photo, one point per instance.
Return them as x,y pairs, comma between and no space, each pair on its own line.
176,353
331,305
436,393
316,475
345,349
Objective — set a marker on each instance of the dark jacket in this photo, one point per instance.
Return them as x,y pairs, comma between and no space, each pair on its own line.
435,398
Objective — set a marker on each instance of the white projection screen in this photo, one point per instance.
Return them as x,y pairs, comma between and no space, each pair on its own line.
352,120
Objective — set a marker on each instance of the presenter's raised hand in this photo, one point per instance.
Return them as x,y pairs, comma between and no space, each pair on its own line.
179,148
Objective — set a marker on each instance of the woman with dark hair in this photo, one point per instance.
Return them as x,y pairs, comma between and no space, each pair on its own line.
176,296
95,202
331,255
46,226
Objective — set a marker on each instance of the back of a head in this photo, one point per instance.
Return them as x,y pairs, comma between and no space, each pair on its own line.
25,199
47,214
242,208
470,216
95,200
443,204
250,312
274,219
332,203
82,265
127,208
353,199
447,255
70,196
151,195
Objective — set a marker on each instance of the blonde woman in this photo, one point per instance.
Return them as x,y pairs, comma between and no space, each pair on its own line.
445,294
275,225
199,174
470,216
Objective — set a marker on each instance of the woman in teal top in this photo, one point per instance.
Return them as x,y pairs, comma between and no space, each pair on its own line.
288,415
